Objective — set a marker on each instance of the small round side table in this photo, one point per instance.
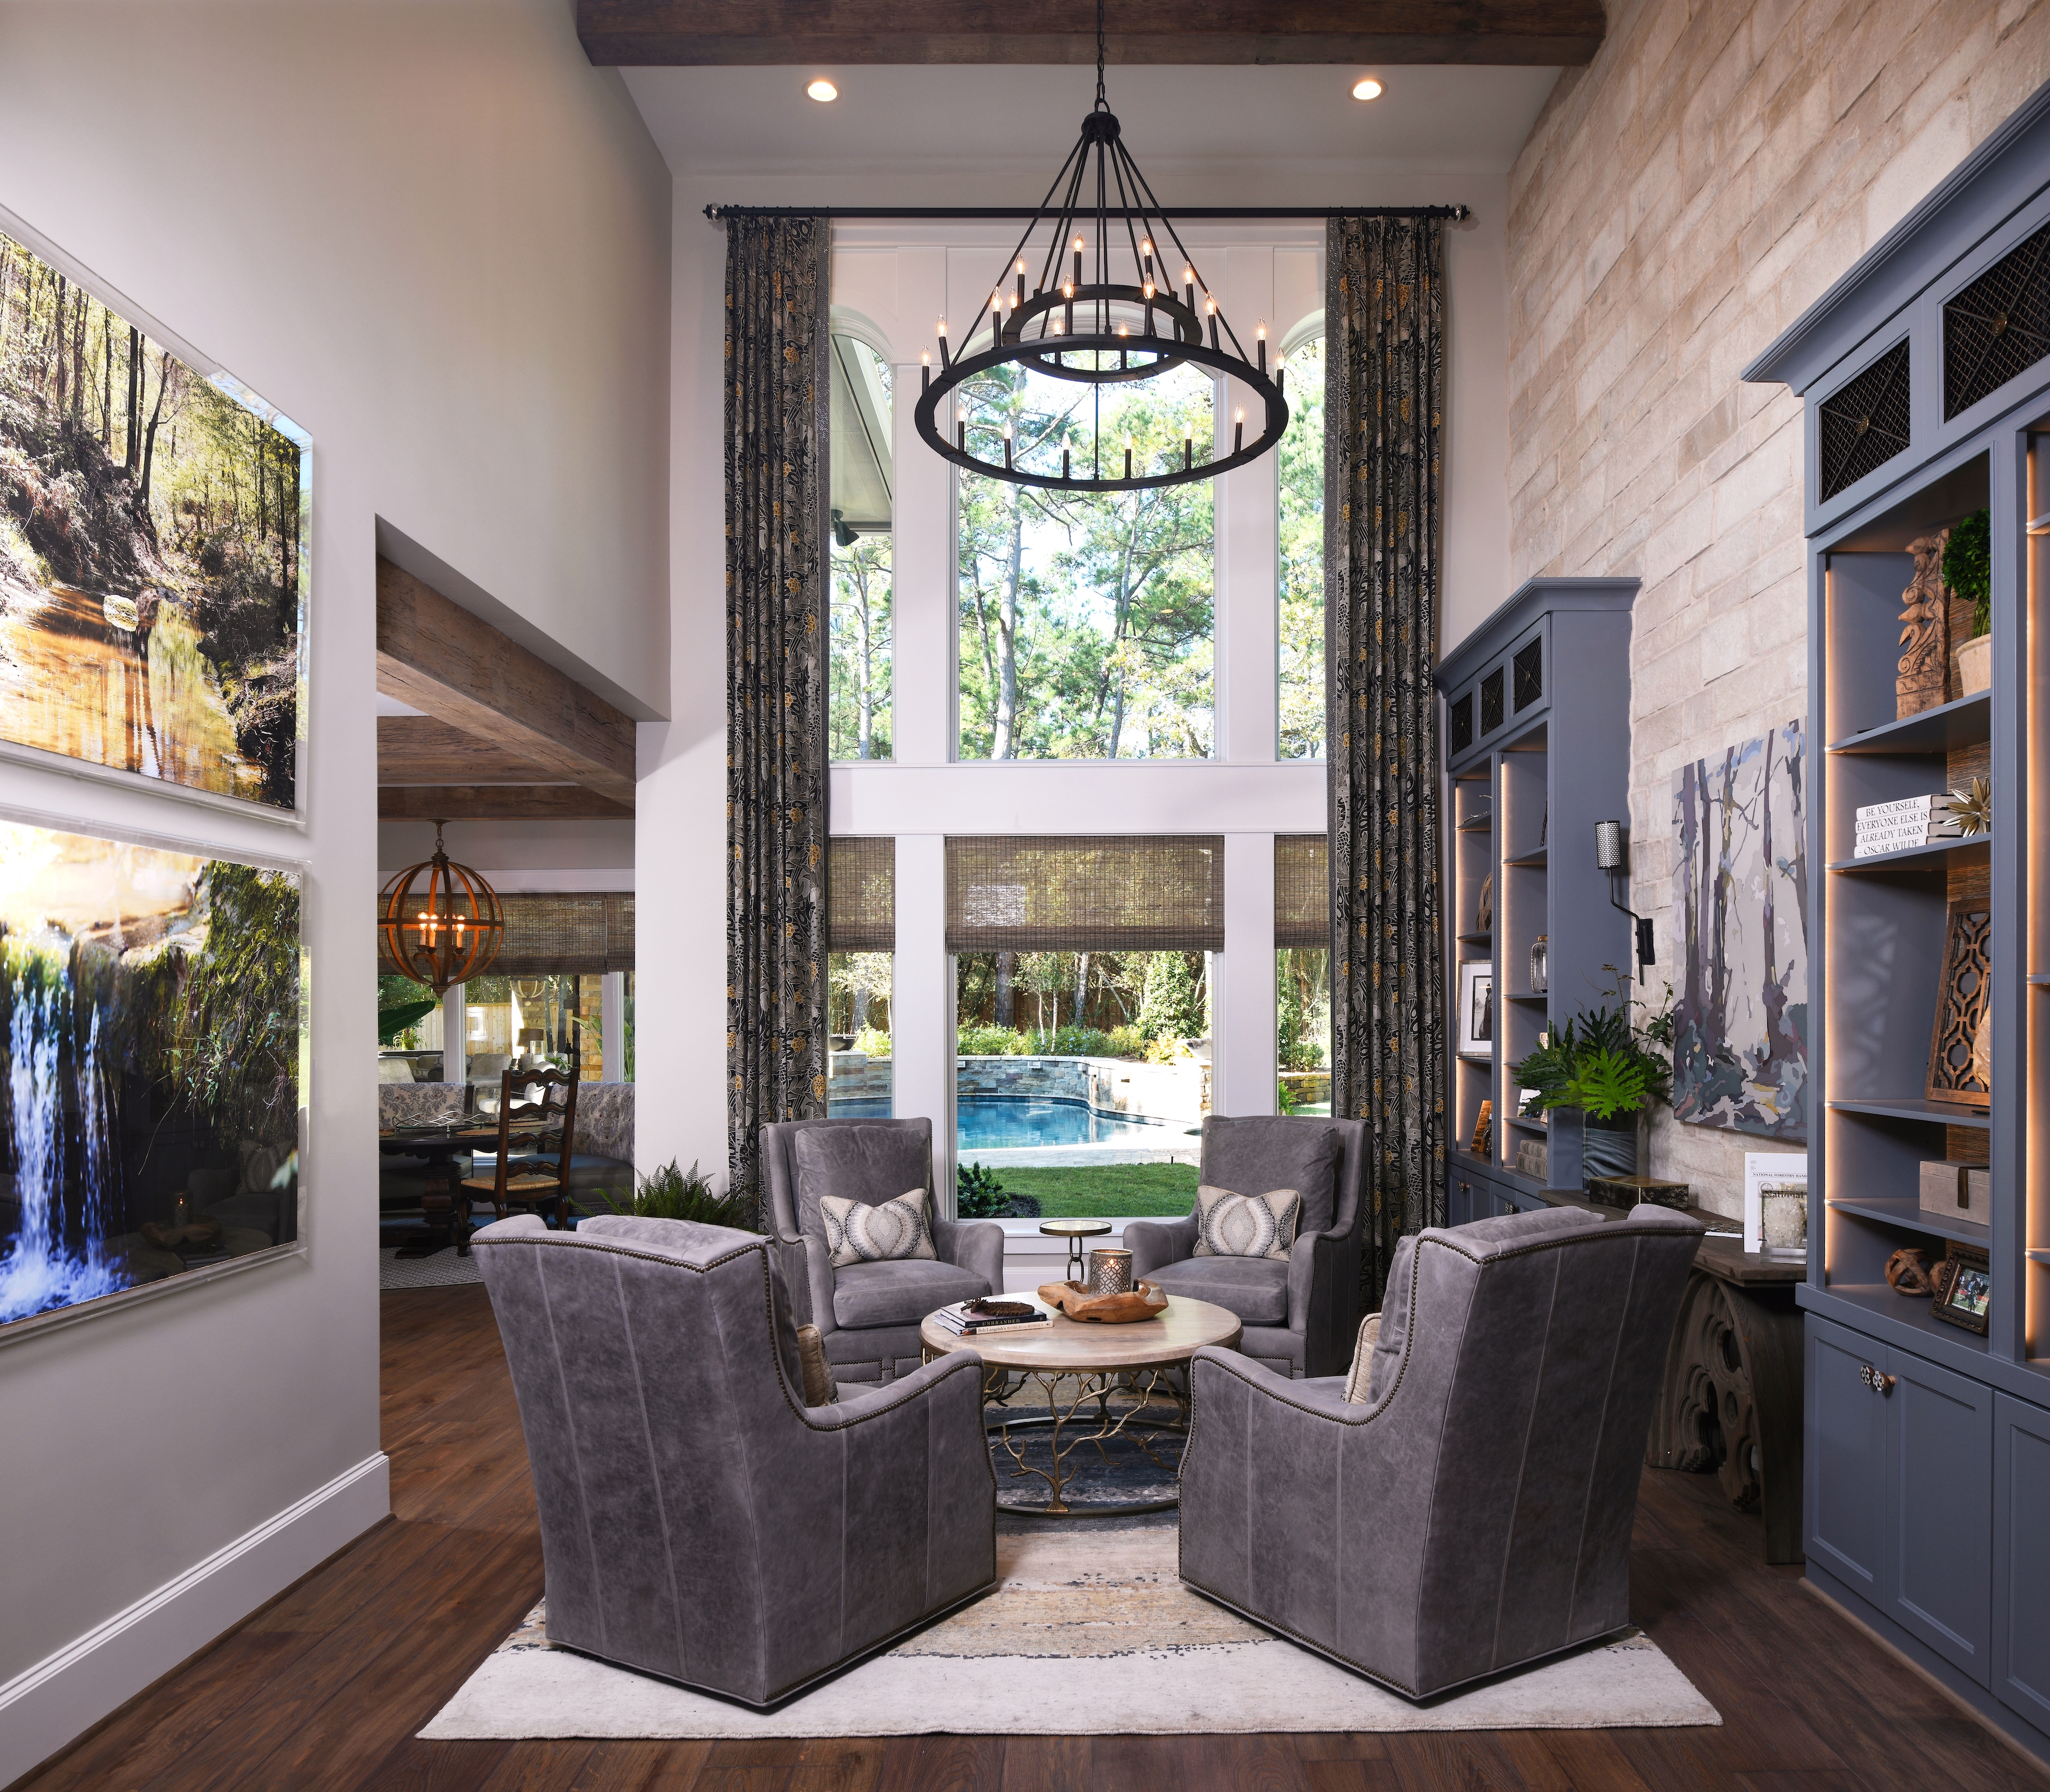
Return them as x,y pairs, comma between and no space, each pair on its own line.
1074,1231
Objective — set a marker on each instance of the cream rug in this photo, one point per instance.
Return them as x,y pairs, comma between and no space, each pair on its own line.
1091,1633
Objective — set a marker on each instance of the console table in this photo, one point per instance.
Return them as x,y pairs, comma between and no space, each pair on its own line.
1730,1397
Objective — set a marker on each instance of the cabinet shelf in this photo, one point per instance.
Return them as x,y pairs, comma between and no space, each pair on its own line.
1964,723
1536,860
1900,1211
1525,995
1537,1126
1911,1107
1477,824
1935,858
1476,938
1876,1299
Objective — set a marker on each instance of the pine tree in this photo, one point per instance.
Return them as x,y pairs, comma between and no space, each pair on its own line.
1172,1006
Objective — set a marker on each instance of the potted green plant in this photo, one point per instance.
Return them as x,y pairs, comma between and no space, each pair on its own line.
1611,1070
1968,571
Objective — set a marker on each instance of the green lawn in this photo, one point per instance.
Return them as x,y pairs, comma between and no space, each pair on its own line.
1116,1191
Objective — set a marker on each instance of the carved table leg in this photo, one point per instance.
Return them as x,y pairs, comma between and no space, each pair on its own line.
1731,1400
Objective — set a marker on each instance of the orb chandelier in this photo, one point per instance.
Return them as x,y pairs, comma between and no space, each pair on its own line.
1085,320
442,922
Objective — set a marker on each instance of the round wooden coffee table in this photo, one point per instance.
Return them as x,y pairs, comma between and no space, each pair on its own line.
1076,1362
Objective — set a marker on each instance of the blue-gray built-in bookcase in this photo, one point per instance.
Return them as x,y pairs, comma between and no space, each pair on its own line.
1924,375
1535,719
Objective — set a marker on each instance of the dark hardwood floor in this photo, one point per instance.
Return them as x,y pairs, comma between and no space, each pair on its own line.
324,1687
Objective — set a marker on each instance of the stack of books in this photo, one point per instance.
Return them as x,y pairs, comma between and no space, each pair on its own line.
964,1322
1893,827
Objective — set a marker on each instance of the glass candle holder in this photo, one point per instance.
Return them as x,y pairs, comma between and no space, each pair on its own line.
1540,966
1110,1272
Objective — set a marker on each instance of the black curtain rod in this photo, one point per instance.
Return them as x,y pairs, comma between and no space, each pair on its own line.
1015,212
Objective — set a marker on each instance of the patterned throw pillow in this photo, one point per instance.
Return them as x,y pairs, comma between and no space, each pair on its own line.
1362,1361
1231,1225
858,1233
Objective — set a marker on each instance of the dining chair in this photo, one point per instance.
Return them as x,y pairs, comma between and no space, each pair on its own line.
546,1101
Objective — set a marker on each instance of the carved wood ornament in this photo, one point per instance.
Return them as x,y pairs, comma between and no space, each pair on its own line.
1925,633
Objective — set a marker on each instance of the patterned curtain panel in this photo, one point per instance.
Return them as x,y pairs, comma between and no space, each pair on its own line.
776,424
1384,370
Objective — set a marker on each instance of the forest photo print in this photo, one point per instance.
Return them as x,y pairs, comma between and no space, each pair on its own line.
153,531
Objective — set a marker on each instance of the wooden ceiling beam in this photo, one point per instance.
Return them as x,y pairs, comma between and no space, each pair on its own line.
496,802
420,749
695,33
438,658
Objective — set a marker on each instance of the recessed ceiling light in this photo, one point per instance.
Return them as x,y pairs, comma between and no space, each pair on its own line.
1367,88
823,90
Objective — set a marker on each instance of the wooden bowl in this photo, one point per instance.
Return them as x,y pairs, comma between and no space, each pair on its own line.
1145,1302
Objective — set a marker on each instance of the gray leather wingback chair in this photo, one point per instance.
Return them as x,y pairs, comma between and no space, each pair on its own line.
869,1313
1475,1512
1299,1315
698,1523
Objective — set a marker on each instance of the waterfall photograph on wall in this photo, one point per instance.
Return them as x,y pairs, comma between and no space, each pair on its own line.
153,532
154,1067
1740,932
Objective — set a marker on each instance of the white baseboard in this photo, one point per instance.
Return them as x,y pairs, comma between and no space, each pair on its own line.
50,1705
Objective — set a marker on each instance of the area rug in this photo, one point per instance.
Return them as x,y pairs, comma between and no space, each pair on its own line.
444,1270
1092,1632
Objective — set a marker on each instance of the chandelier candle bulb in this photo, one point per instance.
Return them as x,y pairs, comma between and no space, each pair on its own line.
1260,336
1078,261
1238,434
1146,252
1189,281
1064,463
1020,300
1210,309
1007,444
925,369
1127,460
943,360
1188,453
960,436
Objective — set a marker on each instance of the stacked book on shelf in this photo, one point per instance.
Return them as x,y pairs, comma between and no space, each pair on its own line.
1914,820
966,1318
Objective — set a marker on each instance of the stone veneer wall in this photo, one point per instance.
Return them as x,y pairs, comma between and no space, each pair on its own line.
1679,202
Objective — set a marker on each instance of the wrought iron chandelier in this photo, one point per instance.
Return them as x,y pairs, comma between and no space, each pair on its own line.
442,927
1080,322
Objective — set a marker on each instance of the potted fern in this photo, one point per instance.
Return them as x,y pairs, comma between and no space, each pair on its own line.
1968,571
1609,1068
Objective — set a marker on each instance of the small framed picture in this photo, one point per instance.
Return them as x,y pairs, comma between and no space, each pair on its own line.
1964,1289
1476,1008
1483,1132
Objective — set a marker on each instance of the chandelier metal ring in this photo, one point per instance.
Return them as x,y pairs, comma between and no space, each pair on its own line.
1143,322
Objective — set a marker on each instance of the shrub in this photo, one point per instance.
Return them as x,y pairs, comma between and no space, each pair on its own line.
991,1042
872,1044
978,1196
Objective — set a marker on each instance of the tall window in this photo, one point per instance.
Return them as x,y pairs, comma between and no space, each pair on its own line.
1086,623
863,517
1300,585
861,937
1302,973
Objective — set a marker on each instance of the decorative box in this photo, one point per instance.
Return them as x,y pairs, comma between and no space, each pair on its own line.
1958,1191
1628,1191
1531,1159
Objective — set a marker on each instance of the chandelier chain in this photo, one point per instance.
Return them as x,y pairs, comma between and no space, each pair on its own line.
1102,103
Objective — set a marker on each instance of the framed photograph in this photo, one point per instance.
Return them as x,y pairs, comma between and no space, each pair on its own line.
1964,1289
153,542
1775,1203
1476,1008
155,1067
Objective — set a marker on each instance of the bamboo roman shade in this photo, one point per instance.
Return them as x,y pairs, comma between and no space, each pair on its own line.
861,894
572,934
1302,891
1086,893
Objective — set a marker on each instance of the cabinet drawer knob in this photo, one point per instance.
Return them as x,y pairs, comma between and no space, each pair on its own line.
1879,1382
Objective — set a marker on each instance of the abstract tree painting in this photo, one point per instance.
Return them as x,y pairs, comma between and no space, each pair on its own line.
1740,926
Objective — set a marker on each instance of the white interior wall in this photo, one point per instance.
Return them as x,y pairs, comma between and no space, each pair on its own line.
438,239
681,804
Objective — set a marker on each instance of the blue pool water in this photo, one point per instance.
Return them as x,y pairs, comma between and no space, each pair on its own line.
1001,1122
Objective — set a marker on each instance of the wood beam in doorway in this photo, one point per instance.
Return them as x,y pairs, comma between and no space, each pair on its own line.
497,803
419,750
683,33
438,658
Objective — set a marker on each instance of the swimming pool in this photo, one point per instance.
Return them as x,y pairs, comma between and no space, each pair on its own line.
1004,1123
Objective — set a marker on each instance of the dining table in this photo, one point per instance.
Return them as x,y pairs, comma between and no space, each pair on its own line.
450,1142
